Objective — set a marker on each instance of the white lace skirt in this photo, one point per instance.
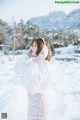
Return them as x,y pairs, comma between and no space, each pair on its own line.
37,107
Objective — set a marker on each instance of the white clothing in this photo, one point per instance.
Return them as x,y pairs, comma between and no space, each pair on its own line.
37,107
34,76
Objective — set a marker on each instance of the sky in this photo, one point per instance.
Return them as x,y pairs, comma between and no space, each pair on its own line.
14,10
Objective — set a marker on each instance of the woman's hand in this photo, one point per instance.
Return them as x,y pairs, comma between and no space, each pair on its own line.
30,53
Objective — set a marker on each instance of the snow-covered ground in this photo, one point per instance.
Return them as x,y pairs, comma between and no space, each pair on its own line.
67,53
63,93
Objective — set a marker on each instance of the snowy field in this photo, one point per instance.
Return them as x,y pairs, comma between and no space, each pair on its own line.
63,92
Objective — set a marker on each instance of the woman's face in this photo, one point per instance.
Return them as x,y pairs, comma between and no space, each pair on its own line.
34,49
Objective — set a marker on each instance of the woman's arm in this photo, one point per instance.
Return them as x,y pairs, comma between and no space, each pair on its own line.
29,53
20,63
46,78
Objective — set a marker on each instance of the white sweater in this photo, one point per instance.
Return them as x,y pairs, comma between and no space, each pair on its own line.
35,77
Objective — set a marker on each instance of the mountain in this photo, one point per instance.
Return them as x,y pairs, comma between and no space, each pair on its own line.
58,20
72,20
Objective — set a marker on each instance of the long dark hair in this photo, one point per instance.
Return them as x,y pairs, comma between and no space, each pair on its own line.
40,45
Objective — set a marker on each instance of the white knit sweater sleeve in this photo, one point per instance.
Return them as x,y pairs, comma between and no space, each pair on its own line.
20,63
45,77
35,78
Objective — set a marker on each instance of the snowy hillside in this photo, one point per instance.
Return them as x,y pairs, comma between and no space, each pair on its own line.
58,20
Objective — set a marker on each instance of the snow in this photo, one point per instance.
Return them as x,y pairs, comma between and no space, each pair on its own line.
63,92
67,53
59,20
13,96
67,50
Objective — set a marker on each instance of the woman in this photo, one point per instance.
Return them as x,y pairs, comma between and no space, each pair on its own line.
35,78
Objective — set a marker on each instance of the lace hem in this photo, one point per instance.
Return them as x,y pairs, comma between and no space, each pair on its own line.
37,107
